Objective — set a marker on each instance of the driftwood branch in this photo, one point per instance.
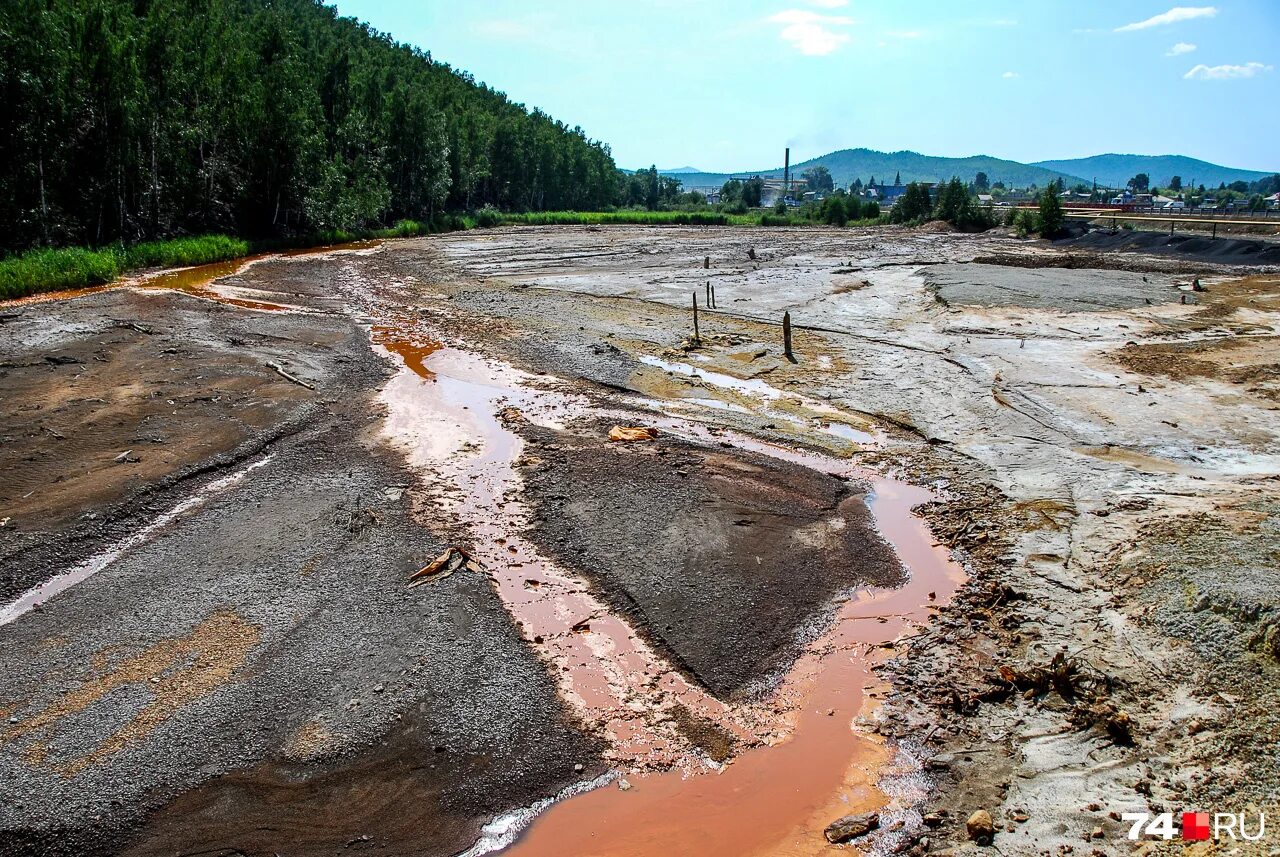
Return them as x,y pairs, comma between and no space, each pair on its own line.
285,375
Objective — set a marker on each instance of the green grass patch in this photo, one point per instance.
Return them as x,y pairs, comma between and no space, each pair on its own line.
65,268
597,218
199,250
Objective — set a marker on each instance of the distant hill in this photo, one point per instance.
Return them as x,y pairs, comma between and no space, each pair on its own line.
1115,170
678,170
848,164
1110,170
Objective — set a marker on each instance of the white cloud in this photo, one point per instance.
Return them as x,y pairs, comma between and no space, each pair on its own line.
1009,75
1225,72
810,33
1179,49
506,29
1173,16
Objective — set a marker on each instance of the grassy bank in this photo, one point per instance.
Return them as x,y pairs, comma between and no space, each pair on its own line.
49,269
596,218
73,267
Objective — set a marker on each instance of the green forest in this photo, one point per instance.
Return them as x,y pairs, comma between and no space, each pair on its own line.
130,120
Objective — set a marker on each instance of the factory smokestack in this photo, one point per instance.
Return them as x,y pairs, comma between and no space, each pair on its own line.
786,174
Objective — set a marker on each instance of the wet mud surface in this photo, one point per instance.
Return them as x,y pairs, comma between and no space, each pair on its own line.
259,654
369,574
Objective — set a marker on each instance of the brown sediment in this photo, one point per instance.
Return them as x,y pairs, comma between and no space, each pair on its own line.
129,388
310,741
1249,361
399,794
413,351
1137,460
176,672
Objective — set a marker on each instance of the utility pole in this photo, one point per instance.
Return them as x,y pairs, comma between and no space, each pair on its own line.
786,173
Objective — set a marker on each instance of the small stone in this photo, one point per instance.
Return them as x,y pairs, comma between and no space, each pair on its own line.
980,827
852,826
578,768
1097,833
377,688
623,785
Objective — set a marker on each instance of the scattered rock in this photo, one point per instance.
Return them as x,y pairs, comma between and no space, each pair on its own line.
628,434
980,827
852,826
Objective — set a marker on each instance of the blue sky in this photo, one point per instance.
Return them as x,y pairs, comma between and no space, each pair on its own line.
726,84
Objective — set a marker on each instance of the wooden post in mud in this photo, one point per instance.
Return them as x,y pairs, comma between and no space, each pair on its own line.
697,338
1171,227
786,337
710,305
1215,231
751,253
706,263
713,296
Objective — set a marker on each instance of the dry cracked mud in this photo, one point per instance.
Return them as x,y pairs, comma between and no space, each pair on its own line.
1002,537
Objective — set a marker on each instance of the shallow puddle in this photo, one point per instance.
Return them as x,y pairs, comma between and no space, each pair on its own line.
201,282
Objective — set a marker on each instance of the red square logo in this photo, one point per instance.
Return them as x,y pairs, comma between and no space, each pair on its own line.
1195,825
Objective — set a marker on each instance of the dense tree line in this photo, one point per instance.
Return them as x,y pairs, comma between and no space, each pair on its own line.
130,119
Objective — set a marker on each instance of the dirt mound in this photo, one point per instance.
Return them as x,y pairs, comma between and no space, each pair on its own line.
937,226
1067,288
1227,251
720,556
1248,361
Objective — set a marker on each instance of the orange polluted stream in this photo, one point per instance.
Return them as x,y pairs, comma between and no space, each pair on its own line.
777,799
812,767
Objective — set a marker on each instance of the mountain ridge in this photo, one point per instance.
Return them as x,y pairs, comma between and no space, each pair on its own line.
1116,169
847,164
